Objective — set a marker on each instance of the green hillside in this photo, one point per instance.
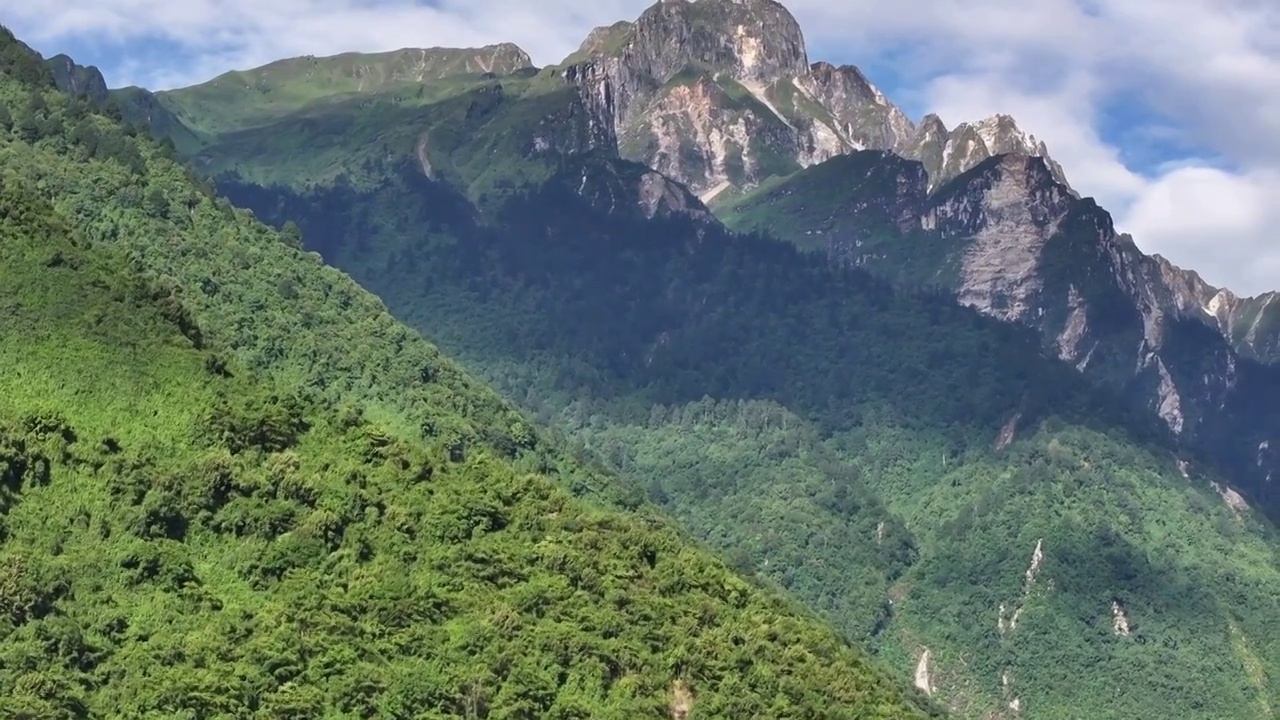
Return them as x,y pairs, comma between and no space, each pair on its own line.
248,98
231,486
891,459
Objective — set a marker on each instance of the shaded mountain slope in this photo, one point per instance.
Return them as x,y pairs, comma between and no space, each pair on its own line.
1008,240
217,500
894,460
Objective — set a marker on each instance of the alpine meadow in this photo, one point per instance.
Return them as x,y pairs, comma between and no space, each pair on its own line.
685,378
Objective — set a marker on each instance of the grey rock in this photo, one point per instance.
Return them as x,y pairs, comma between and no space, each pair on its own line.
720,94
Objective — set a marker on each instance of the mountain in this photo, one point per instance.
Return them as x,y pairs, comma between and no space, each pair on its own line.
1009,240
78,80
231,485
720,94
903,464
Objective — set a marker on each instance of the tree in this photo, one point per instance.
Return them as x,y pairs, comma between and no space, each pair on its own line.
291,234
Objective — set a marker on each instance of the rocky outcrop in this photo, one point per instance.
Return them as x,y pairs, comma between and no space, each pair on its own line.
1033,253
1010,240
619,186
78,80
1008,210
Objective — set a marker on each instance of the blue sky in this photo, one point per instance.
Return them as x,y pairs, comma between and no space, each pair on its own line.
1167,111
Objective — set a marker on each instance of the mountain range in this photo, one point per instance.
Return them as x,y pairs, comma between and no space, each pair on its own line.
233,486
719,100
907,373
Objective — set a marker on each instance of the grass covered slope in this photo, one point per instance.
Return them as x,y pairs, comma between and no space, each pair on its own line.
893,460
249,98
232,487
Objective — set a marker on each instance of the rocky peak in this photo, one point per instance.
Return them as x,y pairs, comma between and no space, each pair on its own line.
864,114
751,40
719,94
78,80
947,154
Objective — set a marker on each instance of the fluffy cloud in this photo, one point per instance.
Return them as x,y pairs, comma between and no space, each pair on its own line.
1098,80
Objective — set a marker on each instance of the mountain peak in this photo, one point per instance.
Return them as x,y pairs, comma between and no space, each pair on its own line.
720,93
1251,324
948,153
751,40
78,80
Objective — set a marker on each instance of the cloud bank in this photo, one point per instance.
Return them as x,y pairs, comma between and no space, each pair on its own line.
1166,111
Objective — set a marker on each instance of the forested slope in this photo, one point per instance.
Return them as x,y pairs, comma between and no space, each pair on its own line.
925,477
231,486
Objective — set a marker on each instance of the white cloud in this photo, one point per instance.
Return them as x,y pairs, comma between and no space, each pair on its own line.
1210,67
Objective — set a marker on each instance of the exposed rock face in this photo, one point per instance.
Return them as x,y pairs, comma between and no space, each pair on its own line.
922,673
1008,209
946,154
1014,242
1251,324
621,186
721,91
78,80
1010,240
864,115
1031,252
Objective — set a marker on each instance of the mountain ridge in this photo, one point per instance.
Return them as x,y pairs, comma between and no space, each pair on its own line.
796,113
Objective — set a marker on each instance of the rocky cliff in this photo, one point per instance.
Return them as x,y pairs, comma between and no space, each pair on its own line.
1009,239
721,94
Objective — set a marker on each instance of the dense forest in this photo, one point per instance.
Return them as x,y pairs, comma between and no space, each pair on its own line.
900,464
232,486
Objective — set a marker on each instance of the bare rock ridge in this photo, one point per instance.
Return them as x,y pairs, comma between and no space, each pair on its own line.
1252,324
721,93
